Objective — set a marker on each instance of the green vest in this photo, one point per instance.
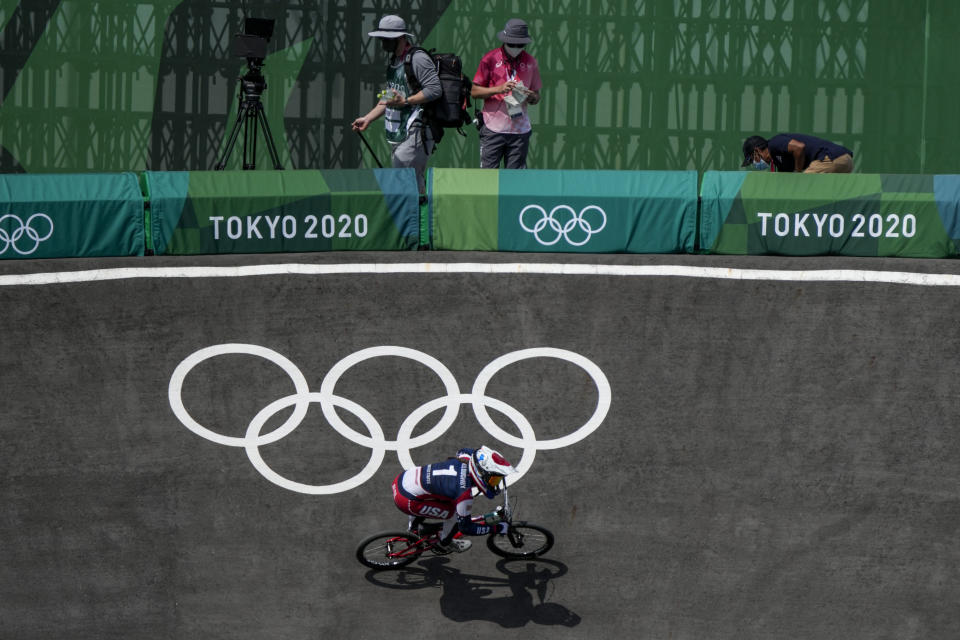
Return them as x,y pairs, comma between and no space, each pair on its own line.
398,121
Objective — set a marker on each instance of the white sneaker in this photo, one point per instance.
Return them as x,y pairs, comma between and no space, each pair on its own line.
457,544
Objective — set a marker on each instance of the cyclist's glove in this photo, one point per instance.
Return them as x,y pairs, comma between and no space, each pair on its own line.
502,527
489,493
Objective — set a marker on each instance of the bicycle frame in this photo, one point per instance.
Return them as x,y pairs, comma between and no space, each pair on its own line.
424,543
392,550
431,538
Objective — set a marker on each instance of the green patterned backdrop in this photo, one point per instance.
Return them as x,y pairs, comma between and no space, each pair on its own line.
116,85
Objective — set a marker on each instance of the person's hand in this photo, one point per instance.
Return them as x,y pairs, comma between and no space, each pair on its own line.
360,124
507,86
502,527
396,101
533,97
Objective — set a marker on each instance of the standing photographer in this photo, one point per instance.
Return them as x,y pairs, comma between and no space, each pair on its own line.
508,79
410,139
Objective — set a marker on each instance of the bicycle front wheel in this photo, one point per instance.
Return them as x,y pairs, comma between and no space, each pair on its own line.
388,550
524,540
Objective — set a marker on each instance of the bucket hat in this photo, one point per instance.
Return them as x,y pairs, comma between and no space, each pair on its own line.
515,32
751,143
390,27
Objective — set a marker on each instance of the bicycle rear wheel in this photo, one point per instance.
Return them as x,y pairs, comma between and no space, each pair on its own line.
524,540
388,550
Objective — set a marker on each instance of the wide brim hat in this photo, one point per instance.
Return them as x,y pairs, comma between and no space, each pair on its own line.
515,32
390,27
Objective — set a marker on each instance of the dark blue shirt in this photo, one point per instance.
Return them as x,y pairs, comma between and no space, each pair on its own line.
814,149
447,479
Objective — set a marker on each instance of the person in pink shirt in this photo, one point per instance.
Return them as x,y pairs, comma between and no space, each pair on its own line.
508,80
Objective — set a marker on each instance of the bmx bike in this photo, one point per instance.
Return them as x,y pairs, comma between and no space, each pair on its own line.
395,549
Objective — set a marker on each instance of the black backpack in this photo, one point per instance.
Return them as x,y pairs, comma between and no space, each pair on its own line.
449,111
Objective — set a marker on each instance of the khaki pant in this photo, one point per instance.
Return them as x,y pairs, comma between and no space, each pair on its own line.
412,152
843,164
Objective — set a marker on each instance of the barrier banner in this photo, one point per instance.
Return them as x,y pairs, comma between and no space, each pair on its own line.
795,214
70,215
205,212
563,211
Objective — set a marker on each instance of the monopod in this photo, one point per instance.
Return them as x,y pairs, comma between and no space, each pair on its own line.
369,148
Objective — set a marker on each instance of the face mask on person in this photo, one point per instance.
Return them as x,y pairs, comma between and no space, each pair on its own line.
513,52
389,45
761,165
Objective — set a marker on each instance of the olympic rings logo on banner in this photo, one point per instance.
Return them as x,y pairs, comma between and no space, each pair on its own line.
376,441
576,221
23,229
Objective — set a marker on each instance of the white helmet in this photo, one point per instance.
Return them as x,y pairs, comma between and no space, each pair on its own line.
487,468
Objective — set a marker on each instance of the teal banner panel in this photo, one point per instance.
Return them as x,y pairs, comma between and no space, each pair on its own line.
758,213
70,215
207,212
946,192
565,211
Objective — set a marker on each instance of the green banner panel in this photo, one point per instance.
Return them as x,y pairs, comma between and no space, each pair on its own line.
756,213
463,208
205,212
70,215
565,211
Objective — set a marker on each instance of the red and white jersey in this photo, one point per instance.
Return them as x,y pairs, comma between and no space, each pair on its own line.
496,67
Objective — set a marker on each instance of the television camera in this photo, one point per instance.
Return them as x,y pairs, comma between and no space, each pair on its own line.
252,45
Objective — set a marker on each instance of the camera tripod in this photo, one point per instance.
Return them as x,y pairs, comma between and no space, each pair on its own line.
250,115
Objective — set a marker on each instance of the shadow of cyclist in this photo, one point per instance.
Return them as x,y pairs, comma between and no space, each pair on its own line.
511,601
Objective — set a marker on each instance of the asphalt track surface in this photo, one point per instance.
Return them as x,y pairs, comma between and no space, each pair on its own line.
780,458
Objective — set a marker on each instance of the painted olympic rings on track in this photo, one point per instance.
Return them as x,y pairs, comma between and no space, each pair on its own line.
375,439
577,220
10,239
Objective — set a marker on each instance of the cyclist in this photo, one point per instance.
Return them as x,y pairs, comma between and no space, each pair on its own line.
444,490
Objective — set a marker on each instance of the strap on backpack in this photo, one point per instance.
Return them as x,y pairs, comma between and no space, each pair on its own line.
412,81
415,86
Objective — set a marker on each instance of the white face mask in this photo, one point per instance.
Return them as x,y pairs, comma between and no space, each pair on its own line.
513,52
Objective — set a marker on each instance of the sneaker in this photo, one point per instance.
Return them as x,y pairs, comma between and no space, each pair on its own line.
457,544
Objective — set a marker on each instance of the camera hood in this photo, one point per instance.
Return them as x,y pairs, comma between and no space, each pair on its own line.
252,43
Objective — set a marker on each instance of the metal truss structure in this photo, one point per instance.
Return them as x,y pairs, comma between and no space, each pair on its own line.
94,85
